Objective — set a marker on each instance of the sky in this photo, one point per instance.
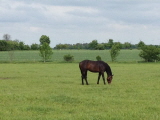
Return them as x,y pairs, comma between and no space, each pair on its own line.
81,21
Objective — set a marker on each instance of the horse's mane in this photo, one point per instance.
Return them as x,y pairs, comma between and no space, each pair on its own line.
108,69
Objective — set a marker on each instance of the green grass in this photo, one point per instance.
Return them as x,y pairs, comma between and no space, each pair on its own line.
54,91
79,55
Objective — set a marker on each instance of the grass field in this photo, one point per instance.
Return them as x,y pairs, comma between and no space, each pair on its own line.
54,91
79,55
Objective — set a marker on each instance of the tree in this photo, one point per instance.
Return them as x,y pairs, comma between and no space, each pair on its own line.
15,44
3,45
127,45
100,47
150,53
93,44
21,45
27,47
119,45
6,37
34,46
141,44
45,51
44,39
61,46
114,52
110,43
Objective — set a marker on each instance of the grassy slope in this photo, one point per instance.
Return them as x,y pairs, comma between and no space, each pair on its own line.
54,91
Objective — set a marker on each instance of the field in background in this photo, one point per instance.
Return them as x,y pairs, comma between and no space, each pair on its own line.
79,55
54,91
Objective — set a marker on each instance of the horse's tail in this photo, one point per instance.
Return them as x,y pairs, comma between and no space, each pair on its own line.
80,64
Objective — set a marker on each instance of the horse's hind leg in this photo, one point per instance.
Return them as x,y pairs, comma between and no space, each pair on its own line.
84,76
98,77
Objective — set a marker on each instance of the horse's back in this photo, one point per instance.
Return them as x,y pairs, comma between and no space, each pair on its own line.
93,66
84,62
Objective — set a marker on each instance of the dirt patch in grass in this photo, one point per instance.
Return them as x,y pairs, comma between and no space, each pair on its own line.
4,78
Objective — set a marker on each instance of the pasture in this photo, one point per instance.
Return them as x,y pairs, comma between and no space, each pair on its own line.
53,91
79,55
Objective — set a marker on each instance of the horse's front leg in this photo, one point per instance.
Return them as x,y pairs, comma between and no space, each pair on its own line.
98,77
103,78
82,79
86,78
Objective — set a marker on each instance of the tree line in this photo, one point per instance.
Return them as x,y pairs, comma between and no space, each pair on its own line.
148,52
7,44
94,45
16,45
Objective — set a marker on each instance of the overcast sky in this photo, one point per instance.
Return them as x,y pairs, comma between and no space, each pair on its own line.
81,21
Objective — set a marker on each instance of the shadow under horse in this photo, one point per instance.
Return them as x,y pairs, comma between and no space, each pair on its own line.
97,67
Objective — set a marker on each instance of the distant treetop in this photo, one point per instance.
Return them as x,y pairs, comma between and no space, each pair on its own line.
44,39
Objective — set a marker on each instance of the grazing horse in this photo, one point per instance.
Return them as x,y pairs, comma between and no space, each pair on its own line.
95,66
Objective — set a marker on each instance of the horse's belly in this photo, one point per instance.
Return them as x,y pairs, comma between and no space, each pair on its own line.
93,71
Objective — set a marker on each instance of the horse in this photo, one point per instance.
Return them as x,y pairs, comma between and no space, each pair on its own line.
95,66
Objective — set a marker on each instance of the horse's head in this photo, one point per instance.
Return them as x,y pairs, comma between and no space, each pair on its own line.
109,79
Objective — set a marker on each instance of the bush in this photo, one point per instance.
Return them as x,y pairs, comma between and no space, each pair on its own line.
150,53
98,58
68,58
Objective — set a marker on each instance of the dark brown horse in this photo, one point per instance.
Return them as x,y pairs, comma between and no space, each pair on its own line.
95,66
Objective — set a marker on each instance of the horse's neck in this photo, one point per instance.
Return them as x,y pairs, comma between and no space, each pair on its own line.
109,72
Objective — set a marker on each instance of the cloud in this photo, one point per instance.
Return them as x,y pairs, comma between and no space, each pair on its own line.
72,21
